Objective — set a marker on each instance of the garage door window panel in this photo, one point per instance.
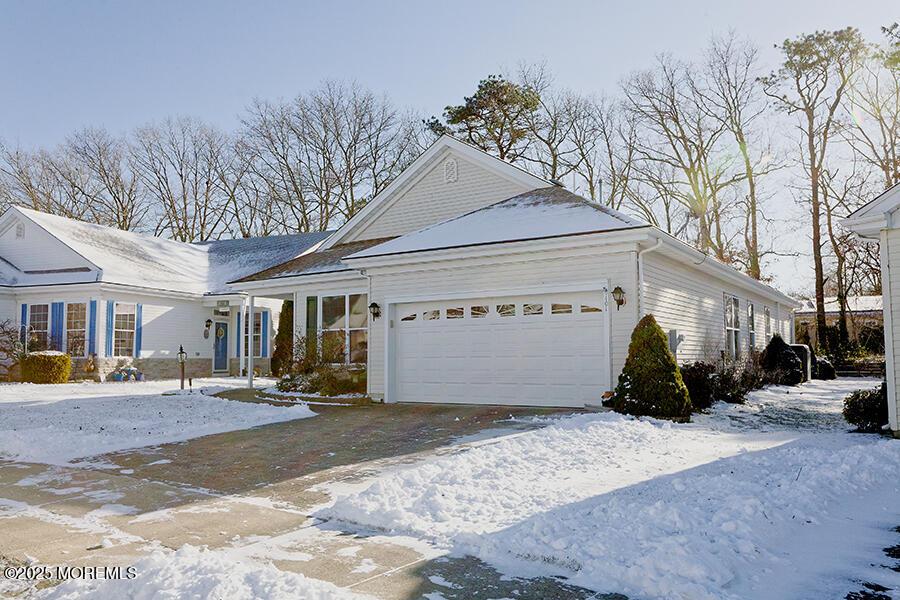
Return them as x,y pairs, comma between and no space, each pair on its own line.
531,309
456,313
560,309
478,312
506,310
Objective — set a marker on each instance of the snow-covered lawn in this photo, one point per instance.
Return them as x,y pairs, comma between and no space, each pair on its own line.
773,499
58,424
195,573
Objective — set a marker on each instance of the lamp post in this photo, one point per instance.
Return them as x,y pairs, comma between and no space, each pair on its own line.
182,358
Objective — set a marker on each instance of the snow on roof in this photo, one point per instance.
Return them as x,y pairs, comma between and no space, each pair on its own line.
141,260
856,304
541,213
315,262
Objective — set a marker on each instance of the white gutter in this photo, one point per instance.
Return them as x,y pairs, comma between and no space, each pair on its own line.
640,266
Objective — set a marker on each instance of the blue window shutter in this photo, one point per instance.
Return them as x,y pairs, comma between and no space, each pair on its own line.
110,315
57,312
92,328
240,336
265,333
23,325
138,329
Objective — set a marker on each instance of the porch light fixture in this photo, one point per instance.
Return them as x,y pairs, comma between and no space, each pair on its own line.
618,295
374,310
208,323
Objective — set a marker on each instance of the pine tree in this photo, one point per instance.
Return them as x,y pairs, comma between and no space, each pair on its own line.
650,383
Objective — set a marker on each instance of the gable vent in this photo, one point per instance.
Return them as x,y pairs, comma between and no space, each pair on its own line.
20,231
451,171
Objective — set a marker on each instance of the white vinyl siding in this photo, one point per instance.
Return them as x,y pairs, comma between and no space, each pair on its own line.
690,301
539,269
431,200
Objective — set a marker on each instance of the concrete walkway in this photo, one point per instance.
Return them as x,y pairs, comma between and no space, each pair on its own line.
251,493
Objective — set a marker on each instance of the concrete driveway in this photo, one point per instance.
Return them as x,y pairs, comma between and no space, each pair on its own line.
252,492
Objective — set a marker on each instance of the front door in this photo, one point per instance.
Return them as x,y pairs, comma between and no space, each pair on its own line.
220,347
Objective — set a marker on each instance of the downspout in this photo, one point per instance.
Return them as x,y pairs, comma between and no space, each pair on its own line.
640,266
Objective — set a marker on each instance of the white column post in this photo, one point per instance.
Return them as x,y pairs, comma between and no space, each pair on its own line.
240,324
250,344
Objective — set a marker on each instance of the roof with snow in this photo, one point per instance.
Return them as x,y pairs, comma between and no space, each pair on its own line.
542,213
855,304
315,262
141,260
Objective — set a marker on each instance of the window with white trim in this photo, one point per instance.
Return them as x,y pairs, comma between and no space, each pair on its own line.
39,325
345,327
768,316
76,328
123,329
257,334
751,325
732,327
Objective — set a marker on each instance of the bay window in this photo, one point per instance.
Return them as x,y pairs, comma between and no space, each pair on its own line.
76,328
344,328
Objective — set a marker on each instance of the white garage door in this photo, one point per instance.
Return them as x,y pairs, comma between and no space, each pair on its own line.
542,350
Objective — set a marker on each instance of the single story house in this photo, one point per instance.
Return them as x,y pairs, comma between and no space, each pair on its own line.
470,280
112,298
864,317
878,220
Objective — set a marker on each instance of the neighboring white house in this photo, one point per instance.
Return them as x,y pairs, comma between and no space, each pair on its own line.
878,220
111,297
470,280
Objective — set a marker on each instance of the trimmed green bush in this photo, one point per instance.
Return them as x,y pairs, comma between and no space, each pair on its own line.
46,367
867,409
284,340
699,378
650,383
780,363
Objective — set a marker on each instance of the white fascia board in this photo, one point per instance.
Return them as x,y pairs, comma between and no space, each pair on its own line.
101,286
492,250
868,227
419,168
281,285
707,263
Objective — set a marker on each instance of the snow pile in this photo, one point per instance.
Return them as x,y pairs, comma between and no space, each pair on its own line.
724,530
732,506
201,574
84,424
500,483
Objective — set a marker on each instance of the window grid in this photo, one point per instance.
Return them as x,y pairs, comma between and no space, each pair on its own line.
733,327
76,328
39,324
345,326
123,329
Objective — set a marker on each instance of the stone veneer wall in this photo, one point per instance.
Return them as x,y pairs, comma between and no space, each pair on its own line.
152,368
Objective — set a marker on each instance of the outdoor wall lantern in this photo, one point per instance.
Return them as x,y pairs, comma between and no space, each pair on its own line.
208,323
618,295
374,310
206,331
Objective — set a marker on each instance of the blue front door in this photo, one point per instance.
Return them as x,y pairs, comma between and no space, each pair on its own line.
220,347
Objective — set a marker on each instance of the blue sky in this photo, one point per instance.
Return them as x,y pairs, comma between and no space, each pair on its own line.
67,65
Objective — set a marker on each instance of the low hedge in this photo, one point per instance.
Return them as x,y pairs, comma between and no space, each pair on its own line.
46,367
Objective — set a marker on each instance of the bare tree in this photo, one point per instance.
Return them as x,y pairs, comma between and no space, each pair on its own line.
811,83
734,97
677,131
175,160
873,104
